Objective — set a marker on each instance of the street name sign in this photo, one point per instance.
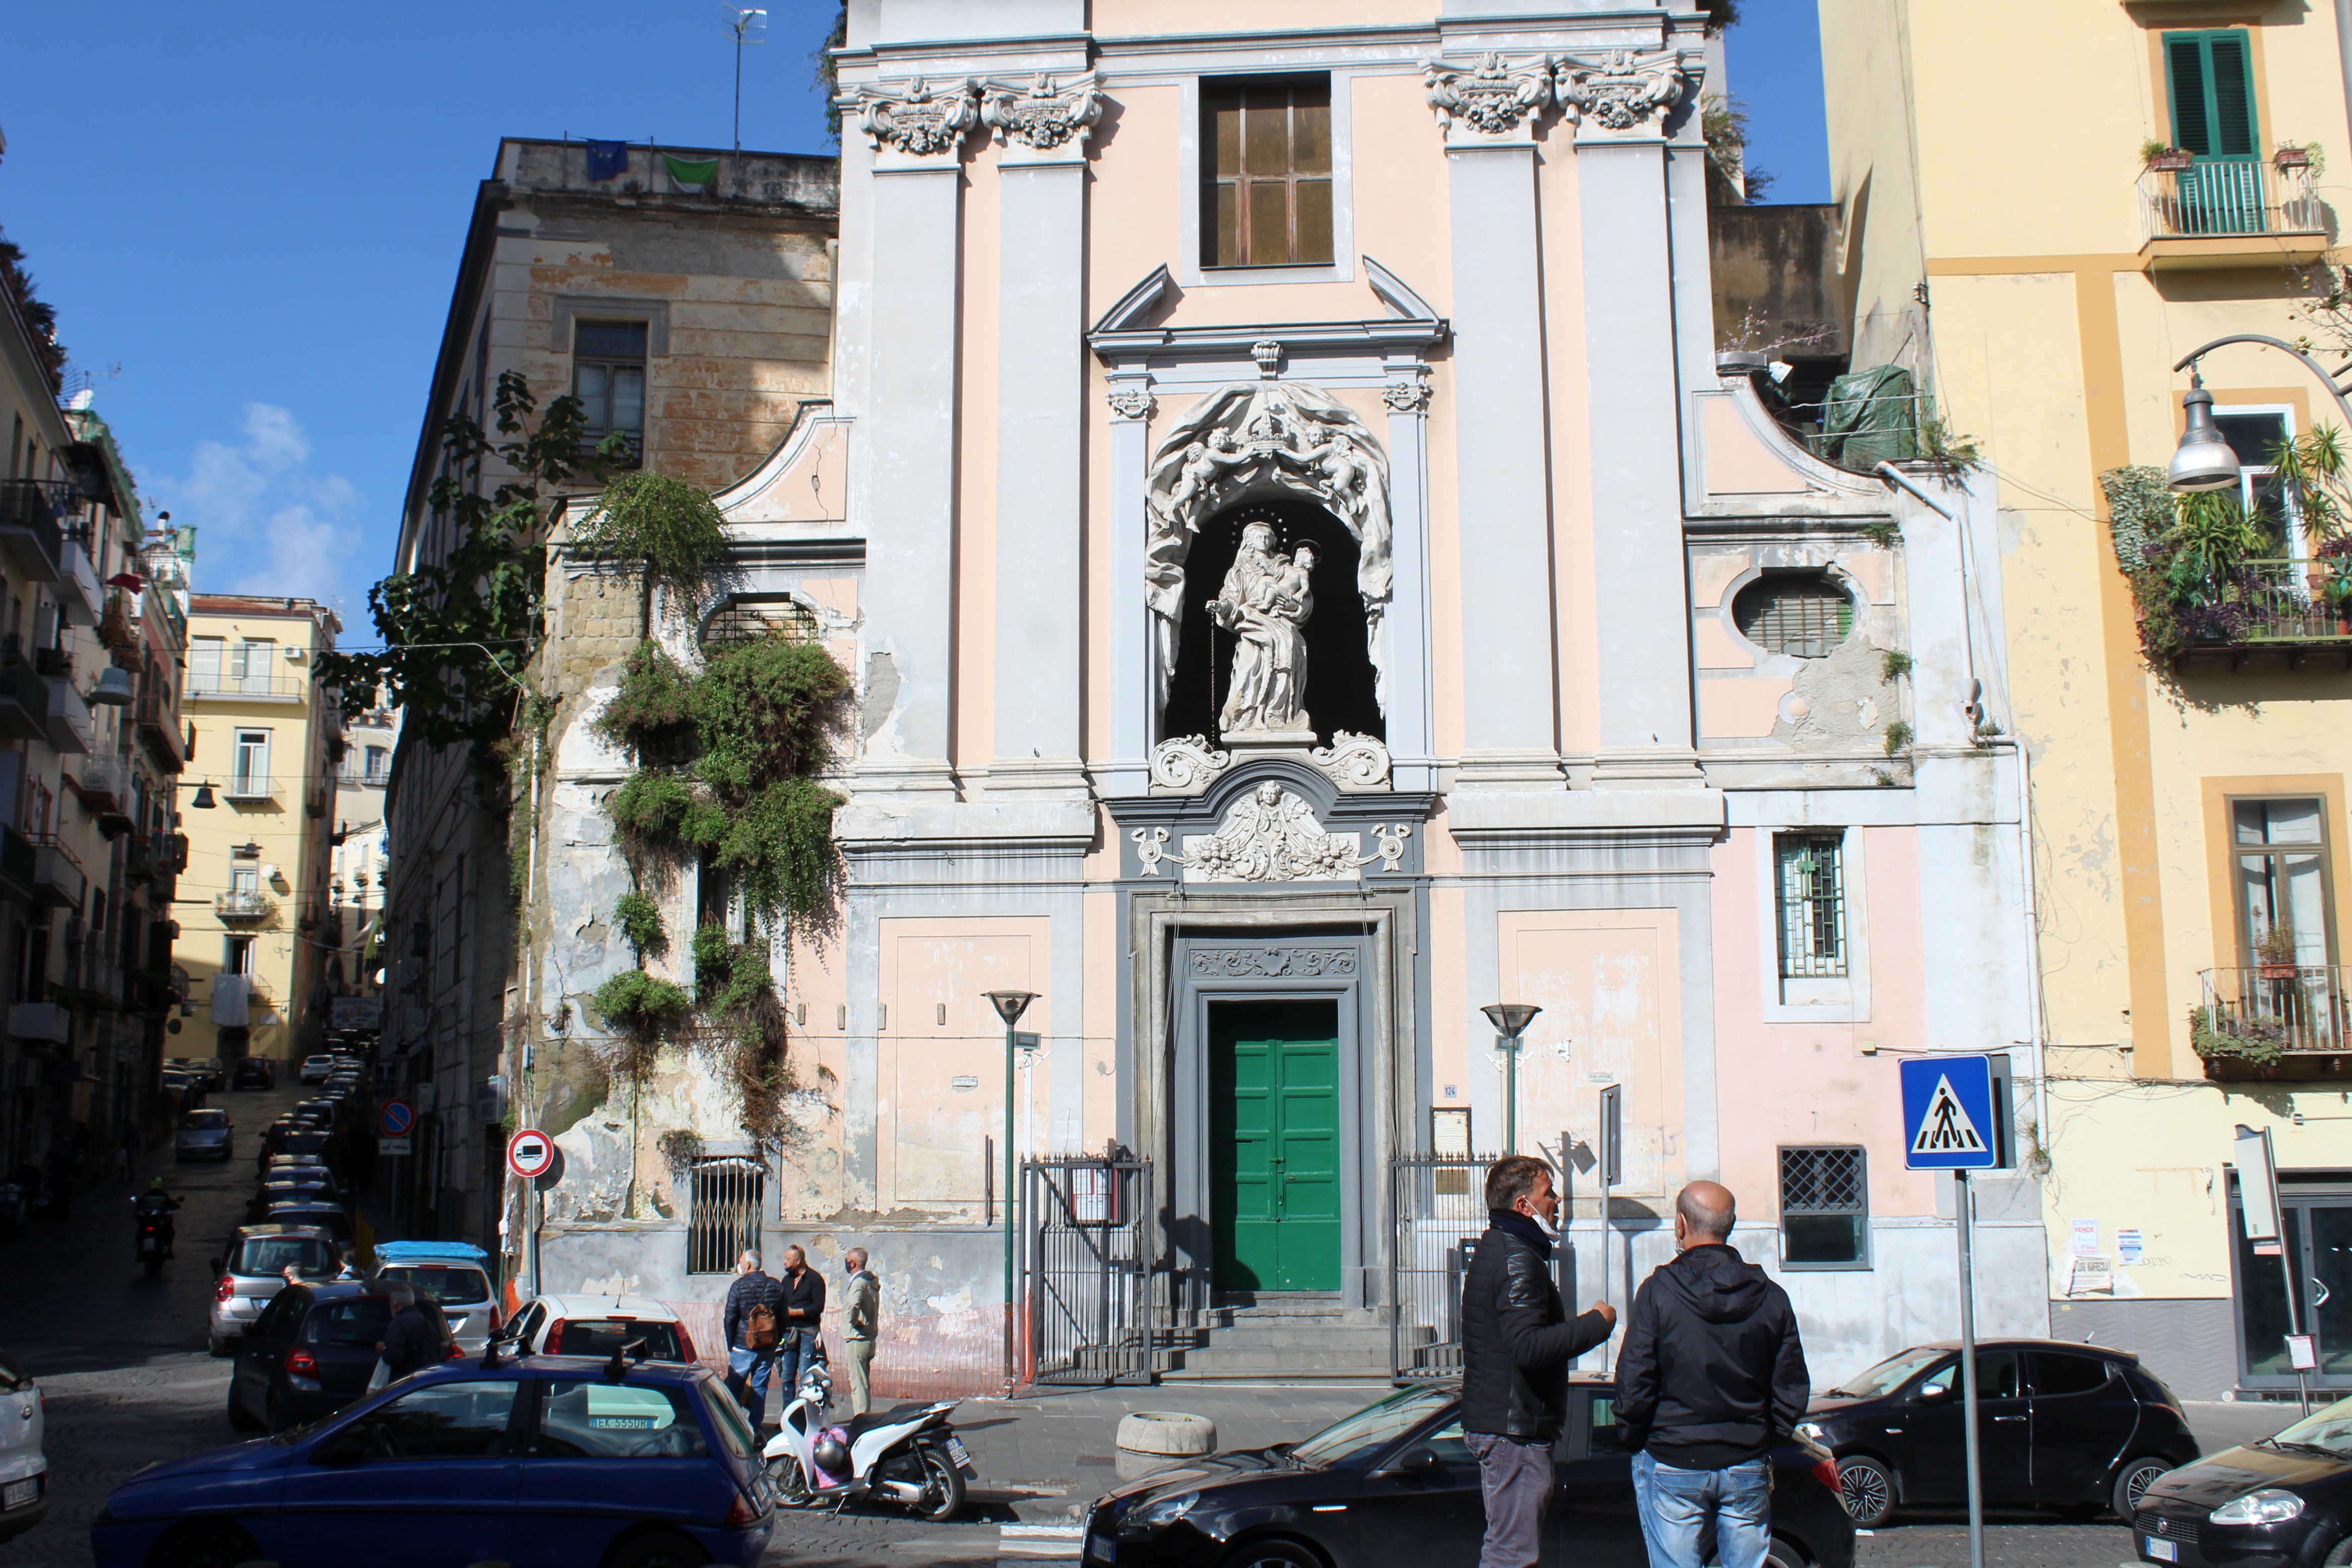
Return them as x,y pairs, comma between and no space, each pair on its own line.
1950,1118
530,1154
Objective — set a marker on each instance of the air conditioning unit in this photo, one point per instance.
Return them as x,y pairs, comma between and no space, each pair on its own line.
490,1099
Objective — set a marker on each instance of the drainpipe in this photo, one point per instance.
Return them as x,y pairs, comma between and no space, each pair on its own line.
2344,54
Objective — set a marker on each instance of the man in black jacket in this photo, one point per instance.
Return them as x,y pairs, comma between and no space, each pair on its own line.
1517,1342
1712,1377
753,1322
803,1290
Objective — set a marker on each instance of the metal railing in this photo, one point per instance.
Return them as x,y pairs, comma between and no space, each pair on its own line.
105,784
34,507
1088,1296
238,904
220,687
2282,600
1438,1206
722,1212
2227,197
161,726
2305,1007
251,790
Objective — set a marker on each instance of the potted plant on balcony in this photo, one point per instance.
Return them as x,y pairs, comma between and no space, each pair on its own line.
2162,156
2234,1047
2275,953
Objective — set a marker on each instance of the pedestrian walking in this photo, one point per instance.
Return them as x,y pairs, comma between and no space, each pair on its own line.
803,1289
1711,1379
1516,1343
861,1316
753,1324
413,1340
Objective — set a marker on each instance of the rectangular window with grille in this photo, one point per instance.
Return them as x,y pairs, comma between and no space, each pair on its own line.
1811,899
1267,177
722,1213
1824,1209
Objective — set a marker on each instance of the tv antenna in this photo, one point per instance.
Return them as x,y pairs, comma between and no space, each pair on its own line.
741,24
78,379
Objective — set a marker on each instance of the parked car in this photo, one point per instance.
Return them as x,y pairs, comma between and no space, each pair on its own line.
540,1462
316,1068
598,1325
254,1072
203,1135
319,1214
24,1470
1395,1482
2071,1427
309,1354
211,1072
452,1274
310,1185
2286,1497
253,1269
292,1138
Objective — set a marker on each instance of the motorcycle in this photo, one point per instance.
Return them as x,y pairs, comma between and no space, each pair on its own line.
155,1234
908,1456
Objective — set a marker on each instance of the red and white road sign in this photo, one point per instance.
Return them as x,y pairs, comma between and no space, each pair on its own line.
530,1154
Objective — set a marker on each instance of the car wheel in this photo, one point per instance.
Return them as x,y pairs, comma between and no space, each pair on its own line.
1780,1554
1867,1490
1273,1554
239,1419
206,1546
2342,1556
2132,1485
657,1549
942,1485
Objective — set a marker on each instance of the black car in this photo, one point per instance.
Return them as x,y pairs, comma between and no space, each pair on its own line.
2284,1500
1395,1482
284,1187
252,1072
310,1352
2069,1427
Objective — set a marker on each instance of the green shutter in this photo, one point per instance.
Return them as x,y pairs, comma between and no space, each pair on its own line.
2210,78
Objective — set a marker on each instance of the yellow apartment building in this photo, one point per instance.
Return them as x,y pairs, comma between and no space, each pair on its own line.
2043,237
258,805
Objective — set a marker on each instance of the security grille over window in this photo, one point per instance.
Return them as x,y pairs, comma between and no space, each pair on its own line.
1812,905
723,1219
1824,1206
1802,613
746,620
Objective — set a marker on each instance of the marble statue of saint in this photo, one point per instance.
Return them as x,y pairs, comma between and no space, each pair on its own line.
1265,602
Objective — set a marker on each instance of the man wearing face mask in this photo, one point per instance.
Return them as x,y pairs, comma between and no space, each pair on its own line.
1516,1343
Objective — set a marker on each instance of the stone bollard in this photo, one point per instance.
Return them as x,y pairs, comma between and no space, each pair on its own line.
1153,1441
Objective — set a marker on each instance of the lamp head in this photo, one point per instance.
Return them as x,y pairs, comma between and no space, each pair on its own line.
1510,1018
1011,1005
204,800
2203,460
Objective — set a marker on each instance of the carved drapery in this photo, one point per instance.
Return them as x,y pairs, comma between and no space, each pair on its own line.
917,118
1274,963
1621,89
1270,835
1284,433
1042,116
1499,94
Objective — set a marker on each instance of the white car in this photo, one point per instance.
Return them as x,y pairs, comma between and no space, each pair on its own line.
316,1068
24,1473
599,1325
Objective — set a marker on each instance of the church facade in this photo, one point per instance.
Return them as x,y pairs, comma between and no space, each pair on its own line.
1306,580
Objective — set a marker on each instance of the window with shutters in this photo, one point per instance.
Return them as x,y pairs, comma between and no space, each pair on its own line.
1805,614
1824,1209
1266,195
2210,78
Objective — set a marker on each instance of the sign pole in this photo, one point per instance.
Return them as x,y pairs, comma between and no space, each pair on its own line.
1966,1202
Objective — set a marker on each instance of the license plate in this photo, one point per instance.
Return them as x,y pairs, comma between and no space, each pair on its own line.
959,1453
1101,1548
2162,1551
17,1494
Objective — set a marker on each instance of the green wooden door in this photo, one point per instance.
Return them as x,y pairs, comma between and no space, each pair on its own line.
1273,1144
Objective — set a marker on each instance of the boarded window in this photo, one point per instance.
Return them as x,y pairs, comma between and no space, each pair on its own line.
1802,613
723,1213
1265,194
1824,1207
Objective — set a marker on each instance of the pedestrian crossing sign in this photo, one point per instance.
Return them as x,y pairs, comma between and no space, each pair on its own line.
1951,1113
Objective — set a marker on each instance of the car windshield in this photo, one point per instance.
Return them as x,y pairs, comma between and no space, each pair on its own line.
442,1283
2331,1429
262,1255
1889,1375
1355,1439
361,1321
212,1119
603,1337
304,1141
728,1417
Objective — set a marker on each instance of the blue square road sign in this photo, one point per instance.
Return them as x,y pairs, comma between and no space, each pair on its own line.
1950,1115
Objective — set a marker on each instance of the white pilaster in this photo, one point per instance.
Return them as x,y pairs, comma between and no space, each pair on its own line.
1406,696
1135,644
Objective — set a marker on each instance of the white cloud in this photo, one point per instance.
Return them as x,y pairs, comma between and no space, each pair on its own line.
265,523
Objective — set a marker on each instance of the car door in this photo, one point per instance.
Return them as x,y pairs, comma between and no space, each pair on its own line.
606,1456
2084,1414
1935,1452
1423,1515
1591,1523
261,1350
427,1479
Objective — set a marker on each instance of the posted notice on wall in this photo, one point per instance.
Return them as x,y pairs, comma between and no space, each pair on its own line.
2086,1238
2127,1248
2092,1275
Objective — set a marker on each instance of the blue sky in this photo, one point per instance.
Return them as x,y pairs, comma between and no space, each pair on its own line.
259,216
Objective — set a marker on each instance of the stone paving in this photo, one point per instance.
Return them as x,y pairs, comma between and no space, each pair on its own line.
121,1361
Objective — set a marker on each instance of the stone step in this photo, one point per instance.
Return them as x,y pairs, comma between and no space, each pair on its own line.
1254,1335
1285,1361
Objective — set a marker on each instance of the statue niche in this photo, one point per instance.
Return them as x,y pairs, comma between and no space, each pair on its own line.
1273,622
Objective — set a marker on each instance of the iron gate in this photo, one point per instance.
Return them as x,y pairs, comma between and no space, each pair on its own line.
1438,1206
1088,1301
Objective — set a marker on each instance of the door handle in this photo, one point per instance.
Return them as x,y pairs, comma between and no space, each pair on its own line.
2321,1293
2009,1418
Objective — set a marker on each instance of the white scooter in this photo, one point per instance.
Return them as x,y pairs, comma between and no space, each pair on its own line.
908,1457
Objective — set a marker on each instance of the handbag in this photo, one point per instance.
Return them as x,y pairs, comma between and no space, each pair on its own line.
381,1376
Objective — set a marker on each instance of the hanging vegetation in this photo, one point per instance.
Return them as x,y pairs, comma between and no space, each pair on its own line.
2206,572
640,921
665,528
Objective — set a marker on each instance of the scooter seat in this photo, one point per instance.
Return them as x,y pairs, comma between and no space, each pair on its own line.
897,1415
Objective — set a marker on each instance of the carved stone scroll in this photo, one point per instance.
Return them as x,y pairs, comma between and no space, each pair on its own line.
1495,97
1042,116
1274,963
1187,763
1352,762
917,119
1621,89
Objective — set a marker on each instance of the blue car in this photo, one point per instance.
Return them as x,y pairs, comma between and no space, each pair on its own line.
557,1462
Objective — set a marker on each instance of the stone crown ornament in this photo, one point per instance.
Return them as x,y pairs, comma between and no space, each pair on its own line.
1042,116
1621,88
1493,96
1271,835
917,118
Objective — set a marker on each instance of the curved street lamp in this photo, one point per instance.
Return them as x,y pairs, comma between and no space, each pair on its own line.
2203,460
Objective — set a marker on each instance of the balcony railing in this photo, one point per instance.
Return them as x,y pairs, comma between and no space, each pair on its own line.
30,510
237,905
2228,198
251,791
2294,1018
160,727
2295,600
105,785
208,685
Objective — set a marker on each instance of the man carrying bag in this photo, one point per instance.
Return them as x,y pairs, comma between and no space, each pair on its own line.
753,1322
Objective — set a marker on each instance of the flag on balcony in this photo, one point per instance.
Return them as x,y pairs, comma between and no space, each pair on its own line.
692,171
607,160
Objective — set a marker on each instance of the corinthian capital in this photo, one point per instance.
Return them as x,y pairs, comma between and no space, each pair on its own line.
1620,88
1042,116
1493,96
917,119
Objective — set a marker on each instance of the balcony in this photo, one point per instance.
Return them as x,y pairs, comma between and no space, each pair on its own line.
79,594
159,727
24,701
251,791
205,685
237,907
59,880
17,864
115,628
66,723
104,786
2230,213
2274,1021
153,991
30,532
48,1021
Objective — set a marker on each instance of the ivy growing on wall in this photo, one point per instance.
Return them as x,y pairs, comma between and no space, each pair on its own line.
2188,557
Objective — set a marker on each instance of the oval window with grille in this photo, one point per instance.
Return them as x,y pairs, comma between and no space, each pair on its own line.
746,620
1802,613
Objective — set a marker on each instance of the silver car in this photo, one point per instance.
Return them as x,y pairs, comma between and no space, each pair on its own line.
254,1271
24,1471
461,1290
203,1135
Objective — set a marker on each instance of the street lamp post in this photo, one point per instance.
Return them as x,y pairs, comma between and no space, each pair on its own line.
2203,460
1009,1006
1510,1020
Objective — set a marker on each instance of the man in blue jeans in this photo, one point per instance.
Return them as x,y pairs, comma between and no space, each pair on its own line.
753,1322
1711,1378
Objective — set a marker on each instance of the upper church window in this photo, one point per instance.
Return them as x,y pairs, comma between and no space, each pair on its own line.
1267,170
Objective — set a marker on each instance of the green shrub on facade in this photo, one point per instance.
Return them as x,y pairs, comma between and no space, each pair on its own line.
638,1003
2258,1042
640,921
